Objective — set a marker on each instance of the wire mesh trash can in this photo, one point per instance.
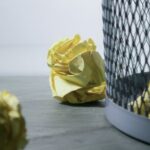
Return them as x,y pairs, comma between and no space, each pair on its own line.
126,28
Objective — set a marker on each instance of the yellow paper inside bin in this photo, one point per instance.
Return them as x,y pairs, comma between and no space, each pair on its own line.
142,102
77,71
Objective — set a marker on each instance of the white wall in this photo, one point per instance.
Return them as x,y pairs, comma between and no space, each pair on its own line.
29,27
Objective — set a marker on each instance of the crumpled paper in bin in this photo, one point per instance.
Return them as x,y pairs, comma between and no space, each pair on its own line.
77,71
12,124
143,105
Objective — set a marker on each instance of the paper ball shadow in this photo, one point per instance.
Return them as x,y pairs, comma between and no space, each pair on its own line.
100,103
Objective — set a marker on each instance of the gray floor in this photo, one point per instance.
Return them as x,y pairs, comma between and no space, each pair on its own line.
54,126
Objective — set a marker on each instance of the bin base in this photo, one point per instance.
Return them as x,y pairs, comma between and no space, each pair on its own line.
132,124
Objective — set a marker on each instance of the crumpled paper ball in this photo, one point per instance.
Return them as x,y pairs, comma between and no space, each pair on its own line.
77,71
143,105
12,123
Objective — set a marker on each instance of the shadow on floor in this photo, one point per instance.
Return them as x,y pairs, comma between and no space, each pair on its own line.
90,104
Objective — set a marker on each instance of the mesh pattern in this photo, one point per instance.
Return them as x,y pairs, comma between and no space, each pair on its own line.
127,53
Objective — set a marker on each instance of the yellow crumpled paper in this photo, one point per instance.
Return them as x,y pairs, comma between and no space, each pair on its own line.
77,71
12,123
142,105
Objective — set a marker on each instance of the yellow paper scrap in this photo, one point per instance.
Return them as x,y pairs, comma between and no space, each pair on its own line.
77,71
12,124
143,105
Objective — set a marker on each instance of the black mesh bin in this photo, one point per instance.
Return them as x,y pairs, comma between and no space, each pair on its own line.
126,27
